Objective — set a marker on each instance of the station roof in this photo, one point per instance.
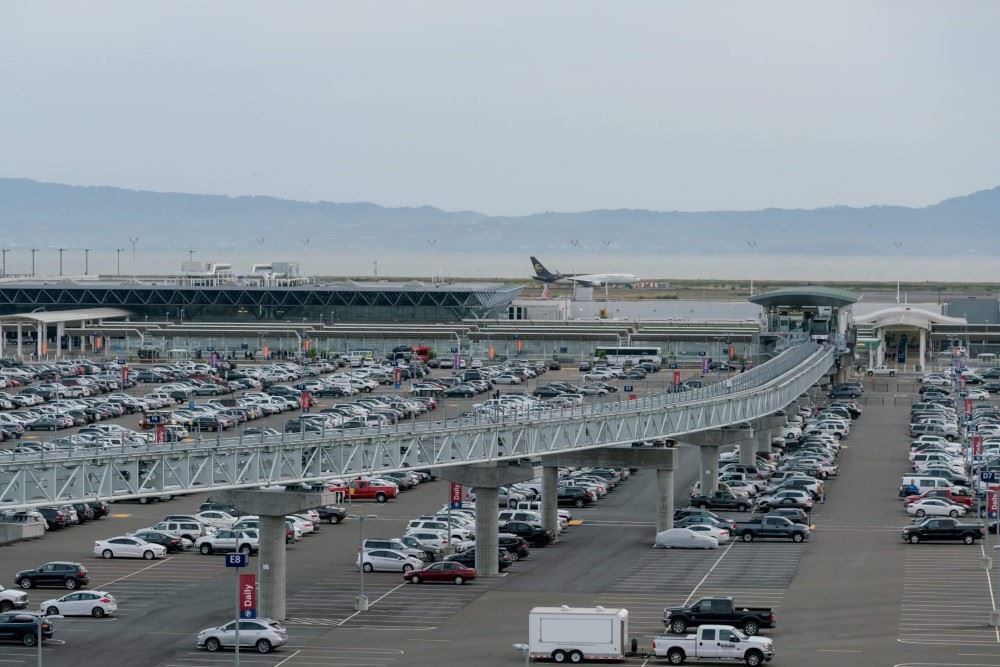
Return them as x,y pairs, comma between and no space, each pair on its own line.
57,316
907,316
809,295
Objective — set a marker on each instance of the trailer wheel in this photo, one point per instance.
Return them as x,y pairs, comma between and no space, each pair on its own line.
558,656
675,656
575,657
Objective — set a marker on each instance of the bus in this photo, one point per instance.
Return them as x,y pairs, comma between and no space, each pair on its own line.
628,355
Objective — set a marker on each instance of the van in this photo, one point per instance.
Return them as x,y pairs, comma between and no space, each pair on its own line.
917,484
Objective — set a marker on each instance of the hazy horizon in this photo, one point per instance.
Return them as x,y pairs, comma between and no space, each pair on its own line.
509,108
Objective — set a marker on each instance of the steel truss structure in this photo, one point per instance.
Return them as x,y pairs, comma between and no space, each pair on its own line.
158,470
472,301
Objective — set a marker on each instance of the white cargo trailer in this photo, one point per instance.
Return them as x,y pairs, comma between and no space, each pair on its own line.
573,634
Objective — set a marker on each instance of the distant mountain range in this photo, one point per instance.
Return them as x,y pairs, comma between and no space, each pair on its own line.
34,213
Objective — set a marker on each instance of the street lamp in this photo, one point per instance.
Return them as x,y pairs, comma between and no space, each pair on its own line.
61,251
119,251
133,240
899,246
3,272
607,246
753,262
361,601
33,251
86,261
191,253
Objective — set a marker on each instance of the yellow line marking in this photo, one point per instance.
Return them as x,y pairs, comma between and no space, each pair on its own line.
120,516
576,522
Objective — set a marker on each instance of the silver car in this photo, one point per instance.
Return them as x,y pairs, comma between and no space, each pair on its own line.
263,634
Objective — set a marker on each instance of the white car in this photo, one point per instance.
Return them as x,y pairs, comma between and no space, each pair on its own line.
387,559
935,380
304,525
684,538
216,518
128,547
721,535
82,603
977,394
263,634
936,507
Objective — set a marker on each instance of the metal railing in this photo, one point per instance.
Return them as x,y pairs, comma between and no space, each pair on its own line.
32,479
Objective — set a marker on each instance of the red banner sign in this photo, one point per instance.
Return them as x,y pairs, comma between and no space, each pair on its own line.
977,445
248,596
968,406
677,378
456,494
993,502
161,433
125,373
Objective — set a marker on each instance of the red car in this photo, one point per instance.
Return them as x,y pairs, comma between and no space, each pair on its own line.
945,494
445,570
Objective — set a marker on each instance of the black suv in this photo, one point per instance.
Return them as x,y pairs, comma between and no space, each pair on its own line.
576,496
56,518
515,546
63,574
209,506
331,513
534,535
468,558
22,626
172,544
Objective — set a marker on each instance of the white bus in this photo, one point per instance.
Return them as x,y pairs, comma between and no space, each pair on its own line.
632,355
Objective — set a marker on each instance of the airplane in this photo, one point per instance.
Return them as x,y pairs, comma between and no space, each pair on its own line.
586,279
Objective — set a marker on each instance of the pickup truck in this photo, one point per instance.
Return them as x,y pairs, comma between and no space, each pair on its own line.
717,611
942,529
714,643
771,527
881,370
362,489
12,599
721,500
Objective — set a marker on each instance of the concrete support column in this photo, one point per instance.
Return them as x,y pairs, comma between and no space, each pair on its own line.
763,439
880,334
60,332
272,567
748,450
487,530
20,340
923,349
550,499
39,340
665,499
709,469
1,341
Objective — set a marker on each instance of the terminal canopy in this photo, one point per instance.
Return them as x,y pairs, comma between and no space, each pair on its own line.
805,296
906,316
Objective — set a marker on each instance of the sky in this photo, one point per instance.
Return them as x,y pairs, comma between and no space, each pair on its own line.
508,107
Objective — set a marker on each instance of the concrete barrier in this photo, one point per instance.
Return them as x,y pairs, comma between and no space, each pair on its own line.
17,531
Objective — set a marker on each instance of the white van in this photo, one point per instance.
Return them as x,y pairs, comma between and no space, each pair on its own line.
923,483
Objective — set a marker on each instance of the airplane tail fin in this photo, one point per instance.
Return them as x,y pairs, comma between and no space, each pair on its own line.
540,270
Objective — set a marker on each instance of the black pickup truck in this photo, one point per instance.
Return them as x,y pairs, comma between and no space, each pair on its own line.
942,529
721,500
717,611
771,527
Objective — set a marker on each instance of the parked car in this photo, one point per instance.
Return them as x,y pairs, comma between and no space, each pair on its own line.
716,643
944,529
684,538
263,634
720,610
83,603
64,574
22,627
128,547
444,571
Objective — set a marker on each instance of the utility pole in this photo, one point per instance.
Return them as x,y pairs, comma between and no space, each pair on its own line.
61,251
118,252
86,261
3,271
133,240
191,255
33,251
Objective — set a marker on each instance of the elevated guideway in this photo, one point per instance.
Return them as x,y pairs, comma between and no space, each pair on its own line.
31,480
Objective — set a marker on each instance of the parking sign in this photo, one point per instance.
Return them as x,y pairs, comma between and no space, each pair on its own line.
237,560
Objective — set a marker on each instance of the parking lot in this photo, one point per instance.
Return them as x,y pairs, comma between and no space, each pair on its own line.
854,592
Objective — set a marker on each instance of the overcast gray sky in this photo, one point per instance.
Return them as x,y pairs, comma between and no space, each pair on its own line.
508,107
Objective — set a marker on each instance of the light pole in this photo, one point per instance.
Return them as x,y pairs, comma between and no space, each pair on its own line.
361,602
432,243
899,246
118,251
86,261
61,251
33,251
133,240
3,272
607,246
753,262
191,253
458,355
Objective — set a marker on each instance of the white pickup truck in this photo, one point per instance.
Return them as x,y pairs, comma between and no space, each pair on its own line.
714,643
881,370
12,599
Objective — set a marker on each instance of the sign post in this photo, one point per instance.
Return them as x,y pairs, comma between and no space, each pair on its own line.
237,562
397,377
